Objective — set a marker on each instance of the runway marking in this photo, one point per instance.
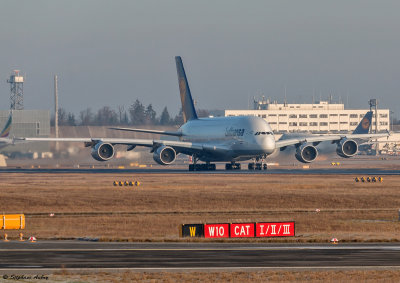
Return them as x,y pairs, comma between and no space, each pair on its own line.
206,269
282,171
25,266
395,248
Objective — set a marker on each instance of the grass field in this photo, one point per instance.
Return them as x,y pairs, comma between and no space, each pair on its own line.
89,205
237,276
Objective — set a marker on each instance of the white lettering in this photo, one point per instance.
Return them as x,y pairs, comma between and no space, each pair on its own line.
273,230
211,231
236,230
221,231
262,230
248,227
286,229
242,232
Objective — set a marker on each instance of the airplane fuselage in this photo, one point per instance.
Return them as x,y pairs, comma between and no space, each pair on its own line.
230,138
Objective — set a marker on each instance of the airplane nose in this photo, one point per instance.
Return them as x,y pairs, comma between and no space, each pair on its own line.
268,145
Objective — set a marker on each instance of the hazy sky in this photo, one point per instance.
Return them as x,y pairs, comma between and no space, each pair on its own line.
112,52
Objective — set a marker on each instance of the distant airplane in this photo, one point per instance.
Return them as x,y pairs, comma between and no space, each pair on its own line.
219,139
362,128
4,139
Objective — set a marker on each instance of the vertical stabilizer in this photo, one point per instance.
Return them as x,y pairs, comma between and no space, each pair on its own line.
363,127
6,130
188,110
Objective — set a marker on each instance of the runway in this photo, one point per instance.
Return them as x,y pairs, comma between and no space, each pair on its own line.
171,170
49,255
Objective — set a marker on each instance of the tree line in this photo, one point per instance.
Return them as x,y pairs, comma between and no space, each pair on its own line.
135,114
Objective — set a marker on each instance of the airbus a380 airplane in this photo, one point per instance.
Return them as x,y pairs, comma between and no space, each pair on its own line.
220,139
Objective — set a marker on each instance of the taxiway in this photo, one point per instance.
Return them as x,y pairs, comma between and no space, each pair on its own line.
173,256
297,171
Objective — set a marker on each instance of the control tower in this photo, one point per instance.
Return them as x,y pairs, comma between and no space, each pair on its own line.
16,82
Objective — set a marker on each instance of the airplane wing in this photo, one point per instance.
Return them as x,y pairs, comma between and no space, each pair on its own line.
184,147
167,133
317,139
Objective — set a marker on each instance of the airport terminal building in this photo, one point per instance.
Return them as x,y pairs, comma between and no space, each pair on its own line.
323,117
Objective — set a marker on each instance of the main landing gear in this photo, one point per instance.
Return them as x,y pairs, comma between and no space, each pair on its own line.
201,167
257,166
232,166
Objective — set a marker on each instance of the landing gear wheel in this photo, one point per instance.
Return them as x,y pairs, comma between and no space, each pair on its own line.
257,166
232,166
202,167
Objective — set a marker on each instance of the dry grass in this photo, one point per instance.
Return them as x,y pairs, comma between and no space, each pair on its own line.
349,211
238,276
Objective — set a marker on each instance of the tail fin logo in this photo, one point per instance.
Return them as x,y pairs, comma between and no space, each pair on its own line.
182,88
7,128
365,123
182,91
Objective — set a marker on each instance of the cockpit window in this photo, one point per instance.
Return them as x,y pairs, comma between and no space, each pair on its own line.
263,133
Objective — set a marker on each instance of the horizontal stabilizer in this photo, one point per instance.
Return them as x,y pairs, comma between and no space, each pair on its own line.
167,133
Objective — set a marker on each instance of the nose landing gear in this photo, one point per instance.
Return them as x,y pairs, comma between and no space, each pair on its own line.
255,165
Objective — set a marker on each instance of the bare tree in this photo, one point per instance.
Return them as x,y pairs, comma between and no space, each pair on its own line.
86,117
106,116
121,112
71,119
62,117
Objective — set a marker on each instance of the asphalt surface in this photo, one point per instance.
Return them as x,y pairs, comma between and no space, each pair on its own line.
152,256
311,171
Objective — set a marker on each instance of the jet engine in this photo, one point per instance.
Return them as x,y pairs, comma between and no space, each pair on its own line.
347,148
306,153
103,151
164,155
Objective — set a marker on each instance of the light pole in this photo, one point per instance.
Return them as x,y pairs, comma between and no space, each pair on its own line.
373,103
391,120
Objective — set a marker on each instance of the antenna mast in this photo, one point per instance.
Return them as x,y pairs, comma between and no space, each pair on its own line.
56,108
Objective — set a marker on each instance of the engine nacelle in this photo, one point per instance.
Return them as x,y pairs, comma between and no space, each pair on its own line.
164,155
347,148
306,153
103,151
